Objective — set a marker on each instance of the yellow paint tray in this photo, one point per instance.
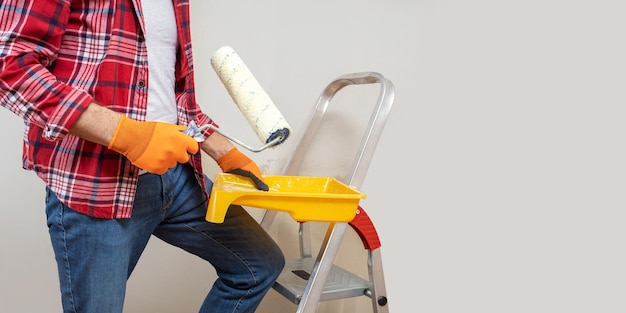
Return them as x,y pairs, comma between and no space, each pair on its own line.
321,199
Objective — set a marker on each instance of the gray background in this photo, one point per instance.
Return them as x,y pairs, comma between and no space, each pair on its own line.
498,183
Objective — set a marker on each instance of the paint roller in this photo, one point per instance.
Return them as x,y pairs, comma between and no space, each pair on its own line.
253,102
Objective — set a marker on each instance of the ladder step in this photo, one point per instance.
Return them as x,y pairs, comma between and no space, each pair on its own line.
340,283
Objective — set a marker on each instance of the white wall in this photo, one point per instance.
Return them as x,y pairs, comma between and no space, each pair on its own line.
497,185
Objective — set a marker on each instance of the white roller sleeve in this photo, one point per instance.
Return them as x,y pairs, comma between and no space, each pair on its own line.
252,100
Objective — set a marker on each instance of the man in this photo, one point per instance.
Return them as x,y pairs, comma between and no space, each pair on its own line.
105,89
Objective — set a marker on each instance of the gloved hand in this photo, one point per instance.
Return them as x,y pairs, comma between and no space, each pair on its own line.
235,162
152,146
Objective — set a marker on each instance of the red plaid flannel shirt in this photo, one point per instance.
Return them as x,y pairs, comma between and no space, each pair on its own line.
56,57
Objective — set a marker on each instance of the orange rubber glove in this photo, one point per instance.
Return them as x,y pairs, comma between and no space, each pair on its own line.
152,146
235,162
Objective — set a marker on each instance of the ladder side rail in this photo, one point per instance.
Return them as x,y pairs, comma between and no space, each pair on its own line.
366,230
377,291
372,135
323,263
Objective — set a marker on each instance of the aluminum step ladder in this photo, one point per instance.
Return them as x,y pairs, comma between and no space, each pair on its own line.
308,280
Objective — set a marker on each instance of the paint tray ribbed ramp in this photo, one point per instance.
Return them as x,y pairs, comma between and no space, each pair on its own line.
317,199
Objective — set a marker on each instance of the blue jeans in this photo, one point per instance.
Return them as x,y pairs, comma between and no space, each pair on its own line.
95,256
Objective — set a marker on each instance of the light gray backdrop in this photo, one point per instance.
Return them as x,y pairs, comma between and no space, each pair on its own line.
497,186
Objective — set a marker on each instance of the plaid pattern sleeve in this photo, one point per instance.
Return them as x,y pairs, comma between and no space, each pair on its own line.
57,57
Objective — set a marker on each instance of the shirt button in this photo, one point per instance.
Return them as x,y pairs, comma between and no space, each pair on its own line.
141,84
131,173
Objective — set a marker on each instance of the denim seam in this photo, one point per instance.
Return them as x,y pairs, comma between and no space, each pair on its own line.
66,259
